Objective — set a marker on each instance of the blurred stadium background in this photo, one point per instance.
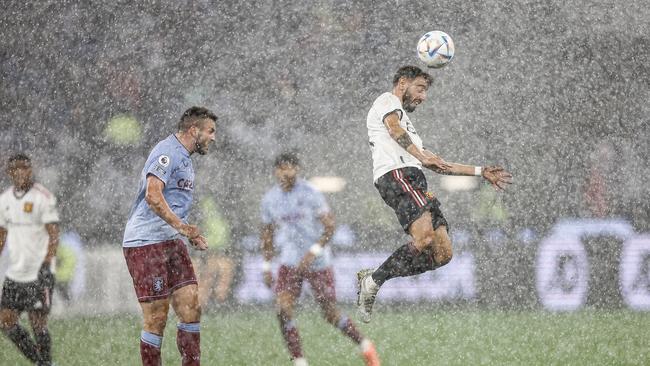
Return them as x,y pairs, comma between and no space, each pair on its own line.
555,91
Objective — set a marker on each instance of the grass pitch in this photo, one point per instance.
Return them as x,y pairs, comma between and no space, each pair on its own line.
418,336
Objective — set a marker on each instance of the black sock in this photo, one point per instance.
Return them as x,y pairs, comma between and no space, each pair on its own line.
405,261
23,341
44,344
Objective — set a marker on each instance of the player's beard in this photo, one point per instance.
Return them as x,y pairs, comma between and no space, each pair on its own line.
201,147
407,102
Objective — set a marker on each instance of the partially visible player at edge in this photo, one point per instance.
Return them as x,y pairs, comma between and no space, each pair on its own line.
29,225
398,157
155,254
296,217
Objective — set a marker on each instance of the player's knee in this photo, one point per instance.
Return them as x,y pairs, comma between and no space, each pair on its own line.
155,322
424,242
442,253
443,257
6,322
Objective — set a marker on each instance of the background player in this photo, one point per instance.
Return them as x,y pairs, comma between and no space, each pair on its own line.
28,224
297,218
156,256
398,157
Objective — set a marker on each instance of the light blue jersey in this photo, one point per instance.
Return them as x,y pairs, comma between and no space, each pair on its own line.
170,161
296,217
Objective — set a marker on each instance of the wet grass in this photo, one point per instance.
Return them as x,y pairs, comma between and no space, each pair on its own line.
422,336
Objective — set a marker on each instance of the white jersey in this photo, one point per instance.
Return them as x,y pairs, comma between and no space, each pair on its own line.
24,217
387,154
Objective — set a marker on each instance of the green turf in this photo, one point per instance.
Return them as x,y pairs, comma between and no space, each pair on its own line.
408,337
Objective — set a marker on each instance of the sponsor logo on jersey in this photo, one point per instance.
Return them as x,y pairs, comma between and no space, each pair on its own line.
185,184
157,284
28,207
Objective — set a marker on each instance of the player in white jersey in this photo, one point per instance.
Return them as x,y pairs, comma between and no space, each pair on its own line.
29,227
296,218
398,156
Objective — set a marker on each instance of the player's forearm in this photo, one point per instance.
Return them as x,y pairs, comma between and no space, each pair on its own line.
328,230
267,243
458,169
3,238
53,241
159,206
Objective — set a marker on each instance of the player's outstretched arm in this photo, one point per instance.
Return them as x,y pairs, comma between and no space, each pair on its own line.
496,175
156,200
400,135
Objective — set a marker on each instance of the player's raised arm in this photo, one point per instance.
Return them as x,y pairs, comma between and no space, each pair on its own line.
391,121
496,175
156,200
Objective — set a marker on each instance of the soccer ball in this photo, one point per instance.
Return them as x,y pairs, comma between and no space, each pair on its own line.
436,49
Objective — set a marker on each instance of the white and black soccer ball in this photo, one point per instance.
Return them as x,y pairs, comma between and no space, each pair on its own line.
435,49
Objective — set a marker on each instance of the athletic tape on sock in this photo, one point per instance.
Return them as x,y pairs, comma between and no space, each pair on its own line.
151,339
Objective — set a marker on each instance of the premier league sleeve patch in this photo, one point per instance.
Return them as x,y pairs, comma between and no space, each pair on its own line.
163,160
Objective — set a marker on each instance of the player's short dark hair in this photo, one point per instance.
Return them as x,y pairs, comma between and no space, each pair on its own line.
411,72
287,157
193,115
19,157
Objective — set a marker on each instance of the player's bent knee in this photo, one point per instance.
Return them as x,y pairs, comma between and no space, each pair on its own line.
442,258
425,242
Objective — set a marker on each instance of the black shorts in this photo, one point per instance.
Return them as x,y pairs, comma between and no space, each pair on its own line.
26,296
405,191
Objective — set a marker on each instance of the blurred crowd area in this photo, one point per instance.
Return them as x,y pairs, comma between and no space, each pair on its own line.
557,92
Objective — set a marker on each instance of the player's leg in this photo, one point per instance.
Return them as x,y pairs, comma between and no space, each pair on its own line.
429,250
185,301
154,315
148,269
322,283
288,287
12,303
17,334
38,321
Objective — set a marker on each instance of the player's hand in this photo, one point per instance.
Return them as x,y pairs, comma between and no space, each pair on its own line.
306,262
268,278
434,162
497,176
45,275
199,242
189,231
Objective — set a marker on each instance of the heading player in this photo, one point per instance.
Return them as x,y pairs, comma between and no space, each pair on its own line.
297,218
29,226
398,156
155,254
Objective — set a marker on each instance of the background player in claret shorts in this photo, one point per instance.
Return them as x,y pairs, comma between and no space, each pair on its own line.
398,156
156,256
296,217
29,226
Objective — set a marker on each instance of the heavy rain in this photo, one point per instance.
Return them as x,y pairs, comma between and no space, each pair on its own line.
553,270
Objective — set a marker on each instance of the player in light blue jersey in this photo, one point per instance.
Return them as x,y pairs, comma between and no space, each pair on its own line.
297,219
156,256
